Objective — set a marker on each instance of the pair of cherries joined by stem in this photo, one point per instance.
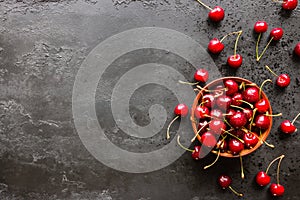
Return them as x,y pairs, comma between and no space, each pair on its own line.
216,46
215,14
263,179
261,27
287,4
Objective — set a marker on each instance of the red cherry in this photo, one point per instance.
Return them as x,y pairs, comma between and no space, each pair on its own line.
276,33
238,120
235,61
218,90
248,113
222,145
237,99
202,125
238,133
217,126
208,139
196,153
262,106
262,178
224,181
181,110
287,127
260,27
297,49
276,189
217,14
215,46
230,112
289,4
201,112
283,80
250,140
223,102
208,100
201,75
262,122
235,146
251,95
232,87
216,113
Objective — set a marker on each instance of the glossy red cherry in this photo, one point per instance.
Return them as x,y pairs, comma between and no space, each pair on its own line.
235,146
250,140
216,113
251,95
208,139
237,99
235,61
230,112
262,106
276,189
217,126
232,87
216,14
262,178
201,75
260,27
283,80
223,102
297,49
196,153
181,110
238,120
215,46
208,100
289,4
262,122
224,181
287,127
248,113
218,90
276,33
201,112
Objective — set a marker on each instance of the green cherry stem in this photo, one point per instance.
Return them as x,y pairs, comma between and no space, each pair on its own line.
261,86
206,6
242,168
256,48
194,138
208,166
265,49
183,147
232,33
295,118
236,42
278,168
242,141
188,83
271,163
169,126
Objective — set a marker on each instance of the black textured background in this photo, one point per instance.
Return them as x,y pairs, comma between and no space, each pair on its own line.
43,43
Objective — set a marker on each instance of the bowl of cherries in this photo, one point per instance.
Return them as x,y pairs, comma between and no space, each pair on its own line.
232,116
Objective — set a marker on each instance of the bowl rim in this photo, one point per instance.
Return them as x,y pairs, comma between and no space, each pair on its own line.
264,135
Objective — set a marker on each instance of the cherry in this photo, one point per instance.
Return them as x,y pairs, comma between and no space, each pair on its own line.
196,153
262,121
232,87
251,95
216,14
248,113
208,139
222,145
208,100
201,112
235,61
262,178
262,106
235,146
239,133
260,27
237,99
238,120
297,49
201,75
230,112
283,80
217,126
215,46
216,113
225,182
288,126
218,91
250,139
276,189
181,110
223,102
289,4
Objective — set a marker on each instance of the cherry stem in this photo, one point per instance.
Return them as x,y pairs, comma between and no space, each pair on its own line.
276,115
236,42
256,48
263,141
242,168
251,106
168,129
242,85
268,68
203,102
237,107
242,141
271,163
201,88
278,167
194,138
295,118
261,86
276,1
265,49
228,123
183,147
235,192
214,161
206,6
232,33
254,111
188,83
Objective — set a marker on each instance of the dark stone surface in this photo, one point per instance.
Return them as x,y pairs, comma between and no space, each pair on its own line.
43,44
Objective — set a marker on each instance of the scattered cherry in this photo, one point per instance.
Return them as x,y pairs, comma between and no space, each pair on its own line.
215,46
181,110
201,75
283,80
260,27
262,178
235,61
297,49
225,182
276,189
288,126
216,14
289,4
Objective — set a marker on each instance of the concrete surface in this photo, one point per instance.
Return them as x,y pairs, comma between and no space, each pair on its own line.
42,45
